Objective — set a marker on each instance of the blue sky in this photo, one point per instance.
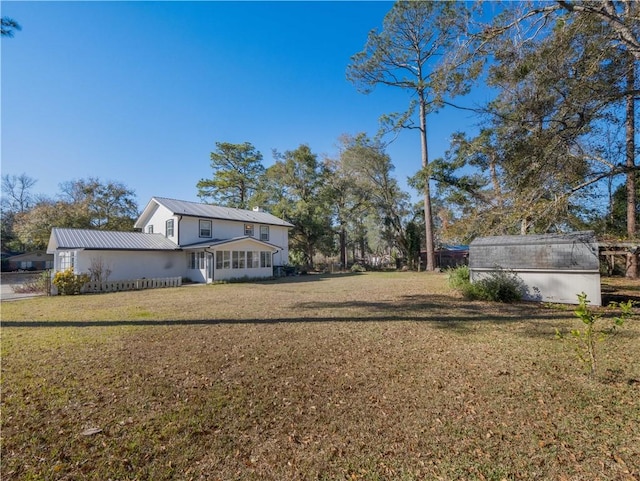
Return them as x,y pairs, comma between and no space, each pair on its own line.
140,92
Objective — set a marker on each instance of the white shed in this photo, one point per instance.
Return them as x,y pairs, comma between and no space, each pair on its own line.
554,267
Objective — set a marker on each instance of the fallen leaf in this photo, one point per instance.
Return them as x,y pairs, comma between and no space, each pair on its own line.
91,431
619,460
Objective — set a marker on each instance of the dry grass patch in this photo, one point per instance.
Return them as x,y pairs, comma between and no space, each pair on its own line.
376,376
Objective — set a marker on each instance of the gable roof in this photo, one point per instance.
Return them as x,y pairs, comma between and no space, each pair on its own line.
234,240
32,255
63,238
208,211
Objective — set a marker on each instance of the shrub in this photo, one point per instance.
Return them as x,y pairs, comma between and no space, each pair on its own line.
499,286
39,284
357,268
459,277
69,283
585,339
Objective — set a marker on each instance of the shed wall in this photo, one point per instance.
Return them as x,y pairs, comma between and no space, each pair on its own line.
554,268
559,287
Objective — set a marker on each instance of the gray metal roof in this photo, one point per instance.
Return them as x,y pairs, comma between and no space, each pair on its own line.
63,238
216,212
535,239
219,242
577,251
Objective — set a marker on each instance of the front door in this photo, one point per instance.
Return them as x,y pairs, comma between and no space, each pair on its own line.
210,262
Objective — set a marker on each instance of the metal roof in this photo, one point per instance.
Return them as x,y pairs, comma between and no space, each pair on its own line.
63,238
195,209
577,251
219,242
587,237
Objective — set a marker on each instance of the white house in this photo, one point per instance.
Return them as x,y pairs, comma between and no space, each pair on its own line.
201,242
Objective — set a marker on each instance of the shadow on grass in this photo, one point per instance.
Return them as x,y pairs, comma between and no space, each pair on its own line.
442,311
298,279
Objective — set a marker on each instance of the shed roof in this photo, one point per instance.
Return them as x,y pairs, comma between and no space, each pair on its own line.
196,209
63,238
575,251
536,239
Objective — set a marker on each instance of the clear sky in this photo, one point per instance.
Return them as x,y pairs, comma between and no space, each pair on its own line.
140,92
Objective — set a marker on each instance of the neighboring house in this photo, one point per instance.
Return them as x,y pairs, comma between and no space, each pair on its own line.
201,242
29,261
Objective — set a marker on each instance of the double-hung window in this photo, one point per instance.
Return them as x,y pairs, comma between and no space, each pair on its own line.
248,230
265,259
150,229
205,228
169,229
264,233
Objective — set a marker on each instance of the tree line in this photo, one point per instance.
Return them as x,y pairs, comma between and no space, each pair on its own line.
558,133
350,206
555,149
552,145
27,217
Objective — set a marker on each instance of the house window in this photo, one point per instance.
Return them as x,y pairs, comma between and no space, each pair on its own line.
248,230
196,260
265,259
67,260
150,229
223,259
169,228
205,228
264,233
238,260
253,259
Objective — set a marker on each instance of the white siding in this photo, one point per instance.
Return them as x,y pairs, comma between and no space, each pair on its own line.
226,229
158,220
125,265
280,236
237,273
227,274
560,286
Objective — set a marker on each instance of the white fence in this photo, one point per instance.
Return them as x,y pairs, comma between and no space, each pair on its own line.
132,285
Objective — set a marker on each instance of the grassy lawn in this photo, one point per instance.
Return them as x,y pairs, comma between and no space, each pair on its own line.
356,377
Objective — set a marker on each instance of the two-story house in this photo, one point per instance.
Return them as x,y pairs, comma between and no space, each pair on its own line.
201,242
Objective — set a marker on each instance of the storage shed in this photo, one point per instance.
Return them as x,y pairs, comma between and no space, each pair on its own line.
553,267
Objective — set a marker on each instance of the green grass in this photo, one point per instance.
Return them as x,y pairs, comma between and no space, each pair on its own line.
377,376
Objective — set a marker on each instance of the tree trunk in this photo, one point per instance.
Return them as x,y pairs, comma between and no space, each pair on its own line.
428,217
343,247
632,270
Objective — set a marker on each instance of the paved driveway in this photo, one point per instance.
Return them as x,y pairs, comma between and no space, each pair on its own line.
9,280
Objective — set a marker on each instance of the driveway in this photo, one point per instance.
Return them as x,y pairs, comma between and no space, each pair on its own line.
10,280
